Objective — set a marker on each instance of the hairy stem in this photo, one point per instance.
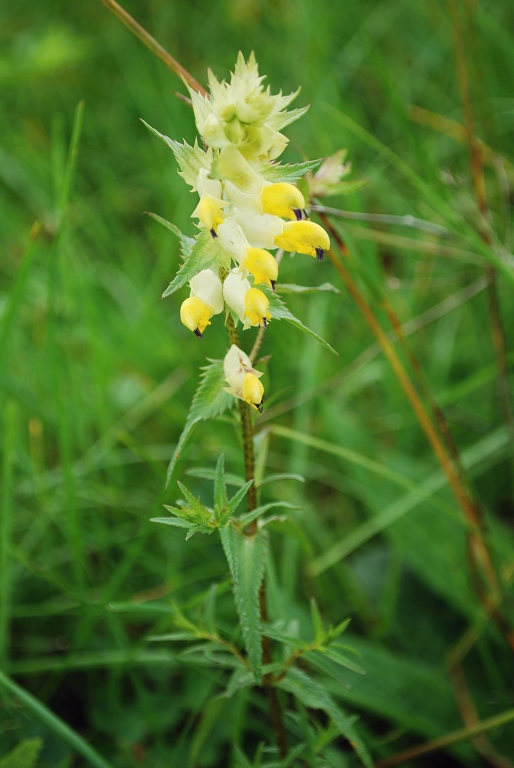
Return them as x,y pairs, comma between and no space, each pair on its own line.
249,461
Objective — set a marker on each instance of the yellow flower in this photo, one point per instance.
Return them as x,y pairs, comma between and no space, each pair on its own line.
256,307
284,200
195,314
304,237
253,391
209,212
262,265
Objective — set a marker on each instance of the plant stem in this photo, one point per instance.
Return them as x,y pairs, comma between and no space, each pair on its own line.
249,461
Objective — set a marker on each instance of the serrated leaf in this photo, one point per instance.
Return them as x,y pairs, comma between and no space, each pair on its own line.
210,401
230,547
255,513
186,242
240,678
190,159
289,172
317,623
252,553
24,755
175,521
236,500
206,253
199,512
303,289
313,695
220,488
279,311
282,119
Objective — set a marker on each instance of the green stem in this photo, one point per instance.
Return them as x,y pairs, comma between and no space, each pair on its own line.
249,460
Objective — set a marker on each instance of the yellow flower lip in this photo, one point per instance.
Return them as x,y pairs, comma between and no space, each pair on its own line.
209,213
262,265
283,200
253,391
304,237
195,314
256,307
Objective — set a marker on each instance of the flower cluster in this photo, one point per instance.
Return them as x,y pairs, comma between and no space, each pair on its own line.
247,208
248,215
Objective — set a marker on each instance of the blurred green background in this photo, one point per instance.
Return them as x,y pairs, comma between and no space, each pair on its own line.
97,373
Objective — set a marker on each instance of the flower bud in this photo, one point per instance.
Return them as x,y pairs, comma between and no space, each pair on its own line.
262,265
256,310
284,200
253,391
304,237
195,315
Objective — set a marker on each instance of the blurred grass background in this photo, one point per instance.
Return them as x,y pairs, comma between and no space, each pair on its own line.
97,374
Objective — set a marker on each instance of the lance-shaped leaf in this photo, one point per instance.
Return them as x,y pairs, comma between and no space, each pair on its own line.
289,172
252,553
314,696
234,502
209,401
190,159
206,253
230,543
279,311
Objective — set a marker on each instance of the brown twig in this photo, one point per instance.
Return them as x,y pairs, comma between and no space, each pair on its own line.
435,745
152,44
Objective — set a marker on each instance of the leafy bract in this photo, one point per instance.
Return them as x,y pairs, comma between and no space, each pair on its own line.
289,172
279,311
190,159
210,401
206,252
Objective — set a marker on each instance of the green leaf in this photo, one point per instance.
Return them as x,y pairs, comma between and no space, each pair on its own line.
205,473
220,488
276,632
337,631
252,553
236,500
279,311
209,609
229,542
281,476
205,253
186,242
24,755
190,159
209,401
275,172
313,695
301,289
317,623
333,652
196,509
176,521
255,513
